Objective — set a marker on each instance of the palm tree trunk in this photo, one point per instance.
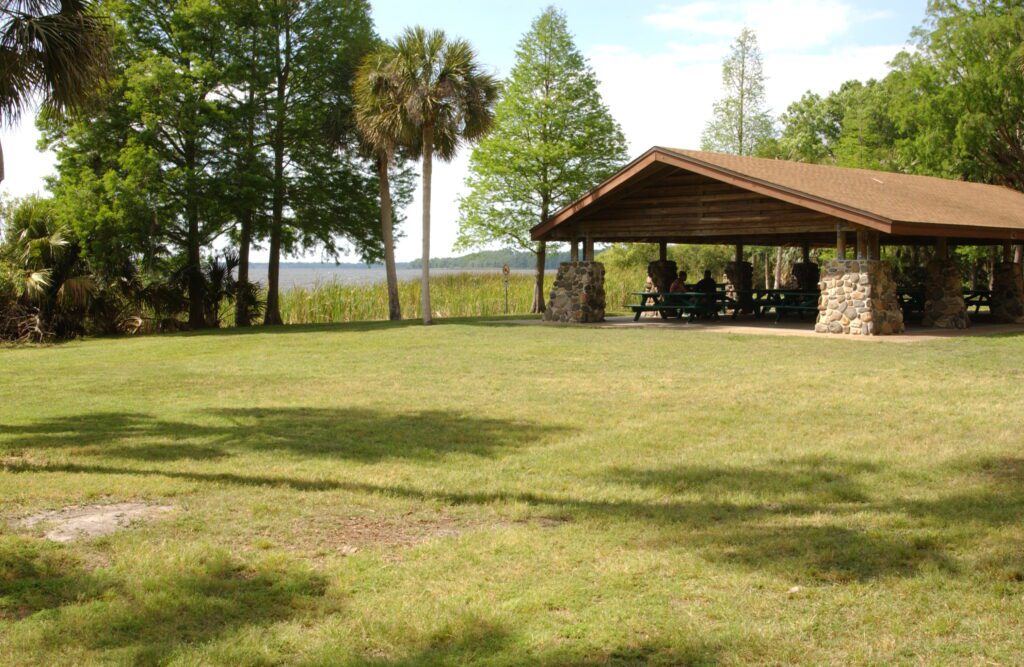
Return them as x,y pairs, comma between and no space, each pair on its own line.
428,169
1,164
394,305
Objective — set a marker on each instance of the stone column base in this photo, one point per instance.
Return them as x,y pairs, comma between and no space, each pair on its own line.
858,297
1007,293
663,274
944,296
577,294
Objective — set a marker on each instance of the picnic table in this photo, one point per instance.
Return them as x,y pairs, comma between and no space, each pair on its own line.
691,304
783,302
976,298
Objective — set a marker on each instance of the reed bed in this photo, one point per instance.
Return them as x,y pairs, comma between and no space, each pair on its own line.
455,295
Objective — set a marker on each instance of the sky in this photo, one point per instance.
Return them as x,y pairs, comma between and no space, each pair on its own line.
658,63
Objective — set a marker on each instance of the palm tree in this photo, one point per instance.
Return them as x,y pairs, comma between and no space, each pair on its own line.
449,99
56,50
383,125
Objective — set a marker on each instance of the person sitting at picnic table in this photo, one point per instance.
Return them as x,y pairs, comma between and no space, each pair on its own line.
679,284
709,287
707,284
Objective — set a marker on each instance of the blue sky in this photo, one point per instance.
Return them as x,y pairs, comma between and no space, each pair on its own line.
659,64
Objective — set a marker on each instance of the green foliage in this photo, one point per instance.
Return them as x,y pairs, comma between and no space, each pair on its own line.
553,139
741,123
495,259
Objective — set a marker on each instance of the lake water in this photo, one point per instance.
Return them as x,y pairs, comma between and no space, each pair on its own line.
307,275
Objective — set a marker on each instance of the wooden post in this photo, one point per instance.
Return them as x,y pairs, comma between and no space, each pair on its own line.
874,245
662,251
1007,252
739,254
862,243
840,243
806,252
574,253
1018,254
588,249
942,247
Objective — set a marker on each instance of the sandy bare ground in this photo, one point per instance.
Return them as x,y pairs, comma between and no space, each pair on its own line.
85,521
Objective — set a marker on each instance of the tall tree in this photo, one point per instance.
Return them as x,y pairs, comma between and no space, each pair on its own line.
741,122
174,156
449,99
553,139
54,49
959,97
323,191
244,114
384,126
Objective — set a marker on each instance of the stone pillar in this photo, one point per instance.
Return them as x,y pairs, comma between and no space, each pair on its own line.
1007,293
662,273
944,295
577,294
858,297
807,275
741,280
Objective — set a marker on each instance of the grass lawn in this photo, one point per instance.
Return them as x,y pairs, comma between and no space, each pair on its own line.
488,494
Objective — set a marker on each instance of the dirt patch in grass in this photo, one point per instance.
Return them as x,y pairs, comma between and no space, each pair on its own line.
86,521
348,535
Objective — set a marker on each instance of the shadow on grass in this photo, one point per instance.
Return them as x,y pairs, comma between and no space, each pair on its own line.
37,575
480,641
802,533
346,433
149,614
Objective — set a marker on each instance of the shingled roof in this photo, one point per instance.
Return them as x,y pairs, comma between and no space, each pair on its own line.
889,202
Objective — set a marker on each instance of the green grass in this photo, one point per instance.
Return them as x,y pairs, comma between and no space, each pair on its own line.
476,493
452,295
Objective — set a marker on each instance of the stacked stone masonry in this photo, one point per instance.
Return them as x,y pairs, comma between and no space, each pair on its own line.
1007,293
662,273
577,294
944,305
858,297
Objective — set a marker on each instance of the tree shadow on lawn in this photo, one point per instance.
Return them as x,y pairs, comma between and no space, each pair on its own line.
475,640
360,434
148,617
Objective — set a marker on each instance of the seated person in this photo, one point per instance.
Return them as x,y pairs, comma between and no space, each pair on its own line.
679,284
707,284
709,287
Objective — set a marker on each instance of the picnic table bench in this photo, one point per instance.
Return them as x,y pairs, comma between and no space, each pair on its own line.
679,304
976,298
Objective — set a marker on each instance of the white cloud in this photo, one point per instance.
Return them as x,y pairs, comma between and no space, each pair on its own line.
665,98
25,166
791,25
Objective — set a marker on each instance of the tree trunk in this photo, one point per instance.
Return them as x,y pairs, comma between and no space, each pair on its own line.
767,269
1,164
273,309
1018,250
538,288
394,305
243,313
428,169
778,268
193,251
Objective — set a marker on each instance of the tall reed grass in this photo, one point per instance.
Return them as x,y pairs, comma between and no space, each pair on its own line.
454,295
